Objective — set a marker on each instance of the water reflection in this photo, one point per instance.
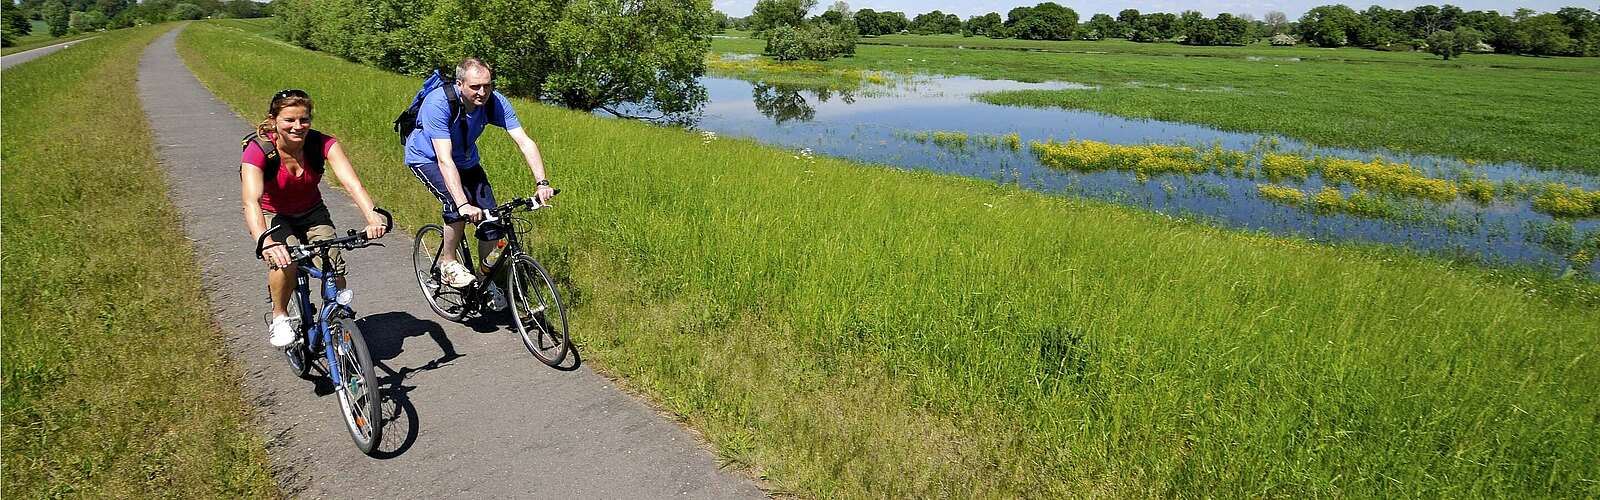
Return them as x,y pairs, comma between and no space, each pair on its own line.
934,123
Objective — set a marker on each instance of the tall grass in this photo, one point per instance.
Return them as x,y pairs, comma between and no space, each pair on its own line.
854,331
115,380
1484,106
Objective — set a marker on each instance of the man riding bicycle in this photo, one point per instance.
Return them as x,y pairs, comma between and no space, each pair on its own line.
443,153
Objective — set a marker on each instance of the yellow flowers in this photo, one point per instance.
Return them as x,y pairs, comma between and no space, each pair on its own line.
1144,160
1380,175
1278,166
1567,201
1282,194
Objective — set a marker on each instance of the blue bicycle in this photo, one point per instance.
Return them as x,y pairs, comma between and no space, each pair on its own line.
345,359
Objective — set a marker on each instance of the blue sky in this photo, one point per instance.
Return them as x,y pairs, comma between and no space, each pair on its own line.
1294,8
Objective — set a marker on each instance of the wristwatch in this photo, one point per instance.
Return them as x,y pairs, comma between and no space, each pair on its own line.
543,182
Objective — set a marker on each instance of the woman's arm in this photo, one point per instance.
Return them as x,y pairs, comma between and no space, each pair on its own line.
346,174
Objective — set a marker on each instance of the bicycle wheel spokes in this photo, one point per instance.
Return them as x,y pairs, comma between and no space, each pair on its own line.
448,302
358,385
536,311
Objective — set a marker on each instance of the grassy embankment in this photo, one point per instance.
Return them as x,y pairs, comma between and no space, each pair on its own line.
1487,107
115,380
854,331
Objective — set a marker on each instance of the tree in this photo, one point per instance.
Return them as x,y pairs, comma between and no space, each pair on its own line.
242,9
1583,26
1126,20
1046,21
92,20
989,25
1448,44
1188,21
870,23
1543,34
57,16
187,11
770,14
1276,22
16,21
1328,25
1104,26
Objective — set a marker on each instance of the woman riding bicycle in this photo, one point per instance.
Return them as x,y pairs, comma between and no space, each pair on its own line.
279,172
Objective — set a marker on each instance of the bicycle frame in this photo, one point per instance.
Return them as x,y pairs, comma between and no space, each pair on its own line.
330,305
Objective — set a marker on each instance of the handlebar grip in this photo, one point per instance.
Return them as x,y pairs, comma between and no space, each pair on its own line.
261,241
388,219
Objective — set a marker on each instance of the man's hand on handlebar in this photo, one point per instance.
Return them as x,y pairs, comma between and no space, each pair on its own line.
544,193
470,212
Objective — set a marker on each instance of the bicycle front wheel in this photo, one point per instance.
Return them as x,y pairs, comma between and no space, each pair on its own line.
536,311
359,395
450,303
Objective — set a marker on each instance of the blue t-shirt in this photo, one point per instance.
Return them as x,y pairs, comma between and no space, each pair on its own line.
434,120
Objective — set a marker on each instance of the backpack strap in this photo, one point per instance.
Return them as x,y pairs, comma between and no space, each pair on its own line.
268,149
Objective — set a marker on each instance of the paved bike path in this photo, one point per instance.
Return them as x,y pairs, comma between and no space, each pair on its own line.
474,415
31,54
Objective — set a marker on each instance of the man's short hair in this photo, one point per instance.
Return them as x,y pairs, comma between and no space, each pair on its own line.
470,64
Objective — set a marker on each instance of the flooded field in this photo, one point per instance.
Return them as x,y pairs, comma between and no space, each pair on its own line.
1498,213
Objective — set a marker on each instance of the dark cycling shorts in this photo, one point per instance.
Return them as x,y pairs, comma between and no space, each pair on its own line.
476,186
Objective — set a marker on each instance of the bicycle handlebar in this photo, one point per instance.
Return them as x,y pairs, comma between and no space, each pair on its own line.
532,202
351,240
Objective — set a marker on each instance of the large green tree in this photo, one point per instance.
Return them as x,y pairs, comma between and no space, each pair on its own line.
57,17
1329,25
769,14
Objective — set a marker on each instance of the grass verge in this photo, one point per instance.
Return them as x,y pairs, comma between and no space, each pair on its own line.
115,380
854,331
1489,107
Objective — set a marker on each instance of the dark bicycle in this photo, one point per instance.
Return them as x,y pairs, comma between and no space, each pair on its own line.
535,306
345,359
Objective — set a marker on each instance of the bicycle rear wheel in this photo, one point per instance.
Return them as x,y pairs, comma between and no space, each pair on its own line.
450,303
536,311
359,394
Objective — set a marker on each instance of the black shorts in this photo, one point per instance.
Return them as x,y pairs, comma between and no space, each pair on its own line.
476,185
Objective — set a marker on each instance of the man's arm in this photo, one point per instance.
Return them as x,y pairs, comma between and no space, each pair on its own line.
530,153
452,179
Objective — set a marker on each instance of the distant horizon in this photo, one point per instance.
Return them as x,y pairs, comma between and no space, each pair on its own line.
1256,8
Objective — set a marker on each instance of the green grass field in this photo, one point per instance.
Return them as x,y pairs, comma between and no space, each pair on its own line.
115,380
1487,107
847,330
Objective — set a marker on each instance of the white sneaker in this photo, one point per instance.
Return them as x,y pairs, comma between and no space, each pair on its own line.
497,299
455,274
283,331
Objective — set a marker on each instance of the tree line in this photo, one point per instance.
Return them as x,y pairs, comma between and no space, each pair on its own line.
65,17
635,58
1446,29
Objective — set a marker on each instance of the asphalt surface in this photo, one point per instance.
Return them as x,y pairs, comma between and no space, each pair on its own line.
31,54
470,412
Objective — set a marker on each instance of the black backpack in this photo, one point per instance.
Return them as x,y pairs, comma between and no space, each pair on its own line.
407,121
314,160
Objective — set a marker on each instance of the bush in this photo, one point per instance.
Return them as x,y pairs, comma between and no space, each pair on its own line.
818,41
92,20
1283,40
187,12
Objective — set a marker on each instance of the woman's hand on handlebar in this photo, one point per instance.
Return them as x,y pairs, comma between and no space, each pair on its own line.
276,255
377,225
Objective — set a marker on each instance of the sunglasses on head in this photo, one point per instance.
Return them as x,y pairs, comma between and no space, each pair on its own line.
285,94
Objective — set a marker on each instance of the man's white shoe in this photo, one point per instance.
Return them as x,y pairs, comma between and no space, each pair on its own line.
455,274
497,299
282,331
